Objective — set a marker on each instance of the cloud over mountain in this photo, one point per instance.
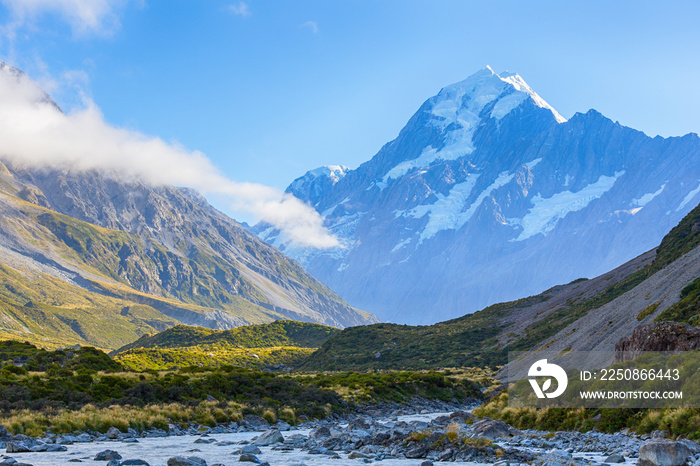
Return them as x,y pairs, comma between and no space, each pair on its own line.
35,132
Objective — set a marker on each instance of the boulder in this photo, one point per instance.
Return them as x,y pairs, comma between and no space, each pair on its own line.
491,429
418,451
462,416
113,433
249,458
555,457
18,446
255,422
358,424
205,440
107,455
321,432
269,437
186,461
250,449
663,452
614,458
55,448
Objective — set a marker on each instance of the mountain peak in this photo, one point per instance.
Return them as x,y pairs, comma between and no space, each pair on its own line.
37,94
509,90
312,183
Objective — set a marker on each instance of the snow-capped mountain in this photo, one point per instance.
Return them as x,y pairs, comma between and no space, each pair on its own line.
488,194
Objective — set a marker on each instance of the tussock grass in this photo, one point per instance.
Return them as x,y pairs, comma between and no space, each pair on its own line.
677,421
90,417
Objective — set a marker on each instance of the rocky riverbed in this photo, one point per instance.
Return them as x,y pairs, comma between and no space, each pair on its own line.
419,434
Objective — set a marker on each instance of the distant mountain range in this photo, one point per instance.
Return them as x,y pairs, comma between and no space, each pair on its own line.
89,258
624,305
488,195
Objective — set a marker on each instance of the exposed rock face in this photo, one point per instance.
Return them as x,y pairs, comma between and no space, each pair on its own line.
658,336
485,185
204,257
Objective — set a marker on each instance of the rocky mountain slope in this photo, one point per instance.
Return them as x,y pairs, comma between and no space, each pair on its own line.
584,315
163,251
91,258
488,195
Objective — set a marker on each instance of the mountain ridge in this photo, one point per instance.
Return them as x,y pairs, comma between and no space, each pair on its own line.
94,257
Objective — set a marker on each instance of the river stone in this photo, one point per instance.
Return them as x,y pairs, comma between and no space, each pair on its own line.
4,434
615,458
18,446
186,461
55,448
113,433
268,438
492,429
250,449
107,455
134,463
255,422
249,458
462,416
358,424
419,451
14,462
321,432
205,440
663,452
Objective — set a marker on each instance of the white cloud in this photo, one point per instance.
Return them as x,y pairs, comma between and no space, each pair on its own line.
312,25
33,132
240,9
84,16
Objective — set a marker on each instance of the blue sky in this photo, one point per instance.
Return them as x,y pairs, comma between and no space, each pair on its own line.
270,89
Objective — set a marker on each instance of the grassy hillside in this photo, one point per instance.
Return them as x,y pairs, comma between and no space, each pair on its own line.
69,390
485,337
281,342
469,341
15,355
143,359
278,333
49,312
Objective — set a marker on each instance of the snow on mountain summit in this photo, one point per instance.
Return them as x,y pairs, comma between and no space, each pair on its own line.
458,110
472,95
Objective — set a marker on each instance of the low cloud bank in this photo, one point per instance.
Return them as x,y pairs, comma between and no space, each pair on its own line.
33,131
